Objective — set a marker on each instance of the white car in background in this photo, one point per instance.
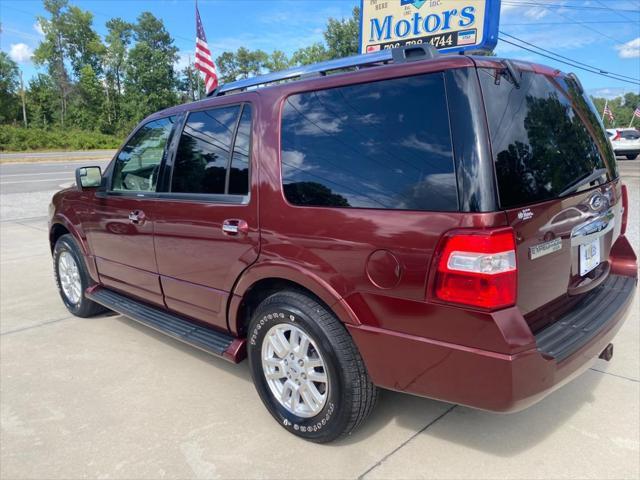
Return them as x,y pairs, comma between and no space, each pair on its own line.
625,141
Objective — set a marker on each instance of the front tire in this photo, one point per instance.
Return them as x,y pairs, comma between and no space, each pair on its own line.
72,278
306,369
632,157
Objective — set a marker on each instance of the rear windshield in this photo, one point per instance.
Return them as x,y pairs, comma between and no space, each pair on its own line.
630,134
547,139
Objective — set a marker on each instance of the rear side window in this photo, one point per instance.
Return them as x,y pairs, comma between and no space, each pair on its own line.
384,145
204,151
547,139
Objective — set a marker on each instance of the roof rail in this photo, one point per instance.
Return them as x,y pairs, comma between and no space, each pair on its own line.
395,55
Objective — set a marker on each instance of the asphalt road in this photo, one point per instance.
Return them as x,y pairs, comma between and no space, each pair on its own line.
40,177
107,398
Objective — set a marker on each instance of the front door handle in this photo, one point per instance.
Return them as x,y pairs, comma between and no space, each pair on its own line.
234,227
137,216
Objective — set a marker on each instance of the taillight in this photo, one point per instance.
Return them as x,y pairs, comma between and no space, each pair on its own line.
625,209
617,136
477,268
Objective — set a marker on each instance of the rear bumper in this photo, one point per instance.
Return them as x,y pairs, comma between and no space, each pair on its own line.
485,379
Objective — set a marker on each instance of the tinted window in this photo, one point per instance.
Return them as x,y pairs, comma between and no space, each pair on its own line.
378,145
547,139
239,173
138,163
203,152
630,134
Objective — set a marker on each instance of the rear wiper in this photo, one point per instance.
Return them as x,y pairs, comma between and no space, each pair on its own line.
583,181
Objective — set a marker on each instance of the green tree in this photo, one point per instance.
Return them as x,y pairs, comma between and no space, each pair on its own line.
342,35
277,61
88,107
314,53
9,85
52,50
150,79
118,39
83,45
42,101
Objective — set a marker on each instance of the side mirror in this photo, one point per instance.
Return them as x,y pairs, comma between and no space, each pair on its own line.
88,177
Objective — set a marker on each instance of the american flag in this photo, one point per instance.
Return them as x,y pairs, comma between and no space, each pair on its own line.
204,62
636,112
607,112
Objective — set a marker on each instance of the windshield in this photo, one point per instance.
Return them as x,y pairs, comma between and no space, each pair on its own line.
547,139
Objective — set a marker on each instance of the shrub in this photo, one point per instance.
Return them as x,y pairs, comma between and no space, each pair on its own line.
13,138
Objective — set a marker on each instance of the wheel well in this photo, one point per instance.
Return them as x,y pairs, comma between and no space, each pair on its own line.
57,231
261,290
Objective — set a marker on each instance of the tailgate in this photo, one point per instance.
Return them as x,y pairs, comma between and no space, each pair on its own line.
558,183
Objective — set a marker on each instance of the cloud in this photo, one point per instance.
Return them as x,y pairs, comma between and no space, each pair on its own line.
20,52
536,13
631,49
608,92
38,28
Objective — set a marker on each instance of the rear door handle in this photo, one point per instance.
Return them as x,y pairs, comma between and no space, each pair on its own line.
137,217
235,227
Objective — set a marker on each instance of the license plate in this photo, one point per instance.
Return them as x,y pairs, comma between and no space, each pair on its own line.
589,257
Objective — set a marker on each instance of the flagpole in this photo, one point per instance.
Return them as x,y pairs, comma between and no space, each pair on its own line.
606,102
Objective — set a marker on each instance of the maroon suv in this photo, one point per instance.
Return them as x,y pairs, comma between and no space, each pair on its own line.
447,226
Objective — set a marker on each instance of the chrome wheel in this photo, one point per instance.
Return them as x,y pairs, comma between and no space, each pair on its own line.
69,275
294,370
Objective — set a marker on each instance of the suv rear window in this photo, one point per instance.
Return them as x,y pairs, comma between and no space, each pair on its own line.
630,134
384,145
541,145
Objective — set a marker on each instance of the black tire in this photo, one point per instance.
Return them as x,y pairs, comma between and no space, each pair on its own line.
632,157
84,307
351,395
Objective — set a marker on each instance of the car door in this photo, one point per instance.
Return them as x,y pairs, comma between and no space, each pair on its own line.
120,226
206,224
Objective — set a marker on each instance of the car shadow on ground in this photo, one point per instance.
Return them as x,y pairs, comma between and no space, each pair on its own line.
502,435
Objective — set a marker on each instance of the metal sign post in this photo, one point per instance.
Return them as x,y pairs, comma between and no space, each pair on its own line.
448,25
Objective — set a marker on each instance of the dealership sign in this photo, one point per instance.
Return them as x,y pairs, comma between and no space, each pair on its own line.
448,25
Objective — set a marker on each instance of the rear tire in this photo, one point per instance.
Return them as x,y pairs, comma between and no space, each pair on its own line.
632,157
324,391
72,278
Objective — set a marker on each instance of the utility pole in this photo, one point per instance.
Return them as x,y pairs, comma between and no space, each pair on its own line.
191,92
24,105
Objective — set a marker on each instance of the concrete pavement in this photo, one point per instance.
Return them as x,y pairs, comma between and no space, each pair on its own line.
107,398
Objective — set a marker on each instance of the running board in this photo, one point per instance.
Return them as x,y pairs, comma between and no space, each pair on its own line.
207,339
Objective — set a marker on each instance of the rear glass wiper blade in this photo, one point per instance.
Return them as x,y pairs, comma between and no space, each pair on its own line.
583,181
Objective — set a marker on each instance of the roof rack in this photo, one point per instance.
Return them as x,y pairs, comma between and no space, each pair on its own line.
396,55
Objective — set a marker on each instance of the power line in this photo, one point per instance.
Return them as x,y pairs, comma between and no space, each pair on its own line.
535,24
582,24
572,64
517,3
614,11
567,58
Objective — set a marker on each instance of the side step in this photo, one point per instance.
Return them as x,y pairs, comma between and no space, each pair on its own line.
206,339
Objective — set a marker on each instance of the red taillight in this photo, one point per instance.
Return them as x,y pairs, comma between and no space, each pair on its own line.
618,136
625,209
478,268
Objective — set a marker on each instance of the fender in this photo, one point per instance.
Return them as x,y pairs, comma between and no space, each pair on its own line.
78,234
296,274
76,231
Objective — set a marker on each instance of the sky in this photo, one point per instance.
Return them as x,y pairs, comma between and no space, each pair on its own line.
602,33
